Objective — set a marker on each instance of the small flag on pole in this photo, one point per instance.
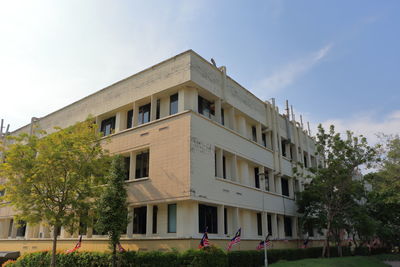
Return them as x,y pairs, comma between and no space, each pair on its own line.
267,243
305,243
77,246
235,239
120,248
204,240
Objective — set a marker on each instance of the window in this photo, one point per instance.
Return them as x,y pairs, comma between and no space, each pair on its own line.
139,220
155,212
108,126
208,219
205,107
285,186
305,160
225,221
222,116
283,145
173,104
82,227
96,231
223,167
288,226
269,219
172,218
127,165
144,114
256,177
21,228
129,119
254,133
158,109
264,139
58,230
2,192
259,224
142,165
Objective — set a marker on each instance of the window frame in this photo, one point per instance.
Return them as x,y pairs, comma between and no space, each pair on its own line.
143,170
144,114
109,121
173,104
171,227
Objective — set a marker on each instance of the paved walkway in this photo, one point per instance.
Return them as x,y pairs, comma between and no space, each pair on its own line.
393,263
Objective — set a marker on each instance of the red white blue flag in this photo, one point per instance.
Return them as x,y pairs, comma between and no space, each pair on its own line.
78,245
204,240
266,243
235,239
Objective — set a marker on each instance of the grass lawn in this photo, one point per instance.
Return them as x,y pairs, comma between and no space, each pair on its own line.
355,261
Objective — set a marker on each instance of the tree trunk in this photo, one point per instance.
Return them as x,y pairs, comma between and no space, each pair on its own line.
53,254
114,256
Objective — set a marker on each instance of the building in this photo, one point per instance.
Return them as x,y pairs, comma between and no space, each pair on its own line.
202,151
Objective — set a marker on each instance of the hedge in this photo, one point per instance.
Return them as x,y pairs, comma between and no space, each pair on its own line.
191,258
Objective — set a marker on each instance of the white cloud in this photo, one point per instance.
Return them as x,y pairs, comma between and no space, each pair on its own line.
368,124
290,72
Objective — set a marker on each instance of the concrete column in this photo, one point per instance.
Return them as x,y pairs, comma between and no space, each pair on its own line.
259,132
235,222
271,181
44,231
242,129
244,173
153,107
187,222
230,118
281,227
64,233
191,99
278,184
129,230
132,167
89,232
294,228
291,187
219,163
264,223
234,171
220,218
4,228
14,229
181,100
118,124
262,178
149,220
135,114
274,225
217,104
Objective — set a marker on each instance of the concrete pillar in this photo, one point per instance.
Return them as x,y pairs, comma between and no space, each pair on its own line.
264,221
258,133
181,100
4,228
118,124
14,229
278,184
219,163
244,173
271,181
234,171
153,108
291,187
135,114
129,230
241,127
274,225
281,227
262,178
187,222
294,228
89,232
149,220
235,221
230,118
191,99
217,104
64,233
220,219
132,167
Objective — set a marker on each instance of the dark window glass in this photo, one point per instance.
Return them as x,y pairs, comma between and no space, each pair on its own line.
269,218
142,165
155,212
173,104
224,167
285,186
222,116
2,192
205,107
259,224
264,139
139,220
21,228
208,218
310,229
254,133
283,145
82,228
58,230
266,179
144,114
215,164
127,166
256,177
158,109
288,226
225,221
305,161
172,218
11,227
129,119
108,126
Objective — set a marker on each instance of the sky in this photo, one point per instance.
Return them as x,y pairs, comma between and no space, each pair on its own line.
337,62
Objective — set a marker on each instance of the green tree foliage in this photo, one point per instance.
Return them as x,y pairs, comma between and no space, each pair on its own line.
112,211
51,178
333,193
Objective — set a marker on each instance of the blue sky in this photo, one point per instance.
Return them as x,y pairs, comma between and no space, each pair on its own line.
335,61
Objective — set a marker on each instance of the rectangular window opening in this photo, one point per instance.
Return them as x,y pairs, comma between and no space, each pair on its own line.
129,119
142,165
144,114
259,224
288,226
155,212
108,126
173,104
208,218
139,220
254,133
172,218
285,186
256,177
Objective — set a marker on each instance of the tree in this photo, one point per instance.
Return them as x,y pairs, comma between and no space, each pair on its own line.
52,178
112,211
328,199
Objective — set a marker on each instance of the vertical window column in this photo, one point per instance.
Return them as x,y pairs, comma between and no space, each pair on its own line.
221,220
234,169
218,117
149,220
259,133
274,225
153,105
219,162
129,230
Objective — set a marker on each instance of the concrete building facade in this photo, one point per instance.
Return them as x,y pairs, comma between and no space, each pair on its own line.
202,152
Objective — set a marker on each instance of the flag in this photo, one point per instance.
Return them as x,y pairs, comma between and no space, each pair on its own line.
267,242
305,243
204,240
120,248
235,239
78,245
